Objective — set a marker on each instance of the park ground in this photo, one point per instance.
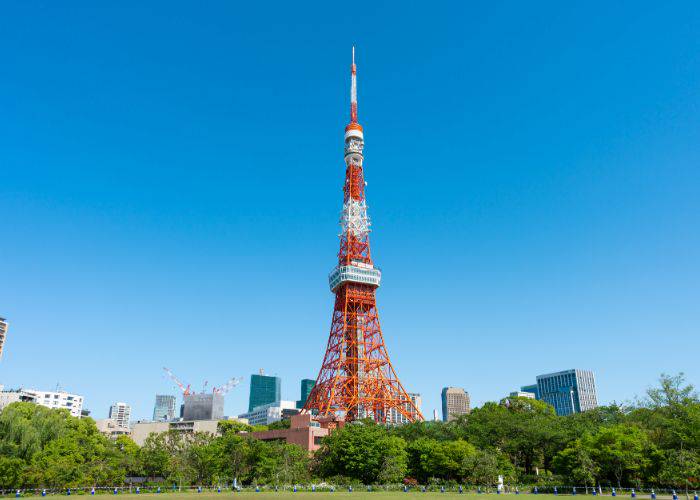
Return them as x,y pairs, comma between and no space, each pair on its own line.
346,495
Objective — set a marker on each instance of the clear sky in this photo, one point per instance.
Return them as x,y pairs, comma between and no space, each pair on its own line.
170,188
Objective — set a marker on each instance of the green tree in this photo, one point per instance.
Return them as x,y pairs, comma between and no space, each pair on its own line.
153,456
280,424
618,454
575,462
226,426
233,457
129,453
12,472
362,451
680,469
202,457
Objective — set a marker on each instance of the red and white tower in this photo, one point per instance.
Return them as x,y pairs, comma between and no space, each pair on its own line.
356,379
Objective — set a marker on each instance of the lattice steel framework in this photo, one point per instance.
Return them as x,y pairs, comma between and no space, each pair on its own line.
357,379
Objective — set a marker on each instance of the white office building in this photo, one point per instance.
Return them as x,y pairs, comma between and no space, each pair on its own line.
50,399
522,394
120,414
266,414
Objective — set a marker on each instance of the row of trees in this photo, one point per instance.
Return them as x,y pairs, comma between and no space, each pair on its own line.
653,442
40,447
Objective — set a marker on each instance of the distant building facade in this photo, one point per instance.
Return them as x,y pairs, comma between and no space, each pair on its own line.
264,389
141,430
120,414
568,391
9,397
455,402
3,334
203,406
395,417
71,402
306,385
272,412
303,431
111,429
523,394
164,409
531,389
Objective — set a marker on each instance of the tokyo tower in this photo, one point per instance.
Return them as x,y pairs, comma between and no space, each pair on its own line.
356,379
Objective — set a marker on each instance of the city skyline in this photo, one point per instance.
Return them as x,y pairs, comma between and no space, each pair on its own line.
533,170
266,391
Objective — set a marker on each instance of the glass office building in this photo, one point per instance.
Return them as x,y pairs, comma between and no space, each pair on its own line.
569,391
164,409
264,390
306,385
531,388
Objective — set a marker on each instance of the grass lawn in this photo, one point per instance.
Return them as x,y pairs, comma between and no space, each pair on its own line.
228,495
301,495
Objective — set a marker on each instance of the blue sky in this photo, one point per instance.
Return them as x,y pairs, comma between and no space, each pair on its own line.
170,186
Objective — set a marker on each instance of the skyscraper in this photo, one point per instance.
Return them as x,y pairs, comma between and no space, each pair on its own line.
120,413
569,391
3,333
455,402
306,385
264,390
164,409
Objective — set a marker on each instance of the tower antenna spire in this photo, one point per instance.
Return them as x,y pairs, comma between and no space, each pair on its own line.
353,89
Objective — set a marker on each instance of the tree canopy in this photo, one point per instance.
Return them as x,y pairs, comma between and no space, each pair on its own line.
653,442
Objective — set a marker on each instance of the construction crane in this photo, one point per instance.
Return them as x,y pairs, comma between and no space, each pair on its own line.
224,389
185,390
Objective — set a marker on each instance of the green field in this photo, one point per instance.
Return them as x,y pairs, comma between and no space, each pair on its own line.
346,495
300,495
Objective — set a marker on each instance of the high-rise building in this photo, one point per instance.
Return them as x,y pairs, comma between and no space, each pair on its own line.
398,418
120,414
356,378
164,409
203,406
455,402
71,402
532,389
264,390
306,385
569,391
3,333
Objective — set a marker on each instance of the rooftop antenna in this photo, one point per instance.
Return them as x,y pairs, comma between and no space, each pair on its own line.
353,89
